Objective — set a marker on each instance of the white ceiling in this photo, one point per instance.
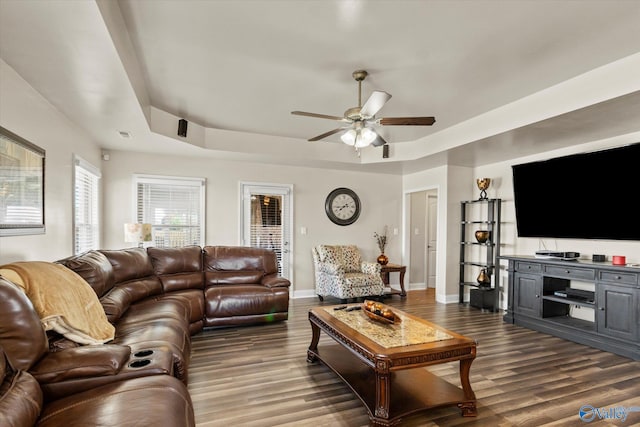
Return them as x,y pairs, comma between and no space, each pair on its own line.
503,78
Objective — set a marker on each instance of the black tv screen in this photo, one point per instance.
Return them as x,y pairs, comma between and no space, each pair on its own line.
590,195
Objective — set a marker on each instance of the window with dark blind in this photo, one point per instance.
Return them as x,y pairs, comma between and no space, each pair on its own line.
174,207
86,220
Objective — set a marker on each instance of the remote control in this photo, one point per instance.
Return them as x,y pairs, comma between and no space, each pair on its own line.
340,307
355,307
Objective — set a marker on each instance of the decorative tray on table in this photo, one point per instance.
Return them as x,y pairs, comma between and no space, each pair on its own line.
379,312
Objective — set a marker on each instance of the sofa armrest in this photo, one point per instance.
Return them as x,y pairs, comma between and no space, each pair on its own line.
81,362
370,267
275,282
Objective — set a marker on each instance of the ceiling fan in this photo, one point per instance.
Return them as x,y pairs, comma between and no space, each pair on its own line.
358,130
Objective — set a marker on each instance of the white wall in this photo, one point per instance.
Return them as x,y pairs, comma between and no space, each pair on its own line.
24,112
379,194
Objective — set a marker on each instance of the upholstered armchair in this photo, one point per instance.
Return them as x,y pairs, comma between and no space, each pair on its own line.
341,273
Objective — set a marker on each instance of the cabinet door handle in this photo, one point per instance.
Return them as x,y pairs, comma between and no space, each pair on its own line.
601,308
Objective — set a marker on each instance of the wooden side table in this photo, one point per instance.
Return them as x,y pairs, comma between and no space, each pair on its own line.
394,268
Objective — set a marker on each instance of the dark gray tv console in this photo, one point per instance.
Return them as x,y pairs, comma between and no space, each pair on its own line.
533,303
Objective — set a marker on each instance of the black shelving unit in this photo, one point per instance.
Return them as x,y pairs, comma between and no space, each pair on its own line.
483,214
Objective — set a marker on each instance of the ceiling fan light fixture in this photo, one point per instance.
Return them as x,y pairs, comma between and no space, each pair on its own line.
349,137
367,136
359,138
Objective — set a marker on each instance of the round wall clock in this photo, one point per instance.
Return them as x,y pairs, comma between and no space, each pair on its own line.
342,206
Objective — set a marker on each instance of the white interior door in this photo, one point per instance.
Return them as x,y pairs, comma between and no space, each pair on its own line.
266,221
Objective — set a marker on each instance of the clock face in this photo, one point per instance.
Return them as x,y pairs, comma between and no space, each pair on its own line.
342,206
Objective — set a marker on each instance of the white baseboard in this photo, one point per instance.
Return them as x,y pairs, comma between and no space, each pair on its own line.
414,286
447,299
304,293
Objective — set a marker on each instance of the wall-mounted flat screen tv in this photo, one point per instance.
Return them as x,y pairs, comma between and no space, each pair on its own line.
590,195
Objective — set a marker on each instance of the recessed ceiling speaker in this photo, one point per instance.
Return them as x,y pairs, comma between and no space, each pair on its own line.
385,151
182,128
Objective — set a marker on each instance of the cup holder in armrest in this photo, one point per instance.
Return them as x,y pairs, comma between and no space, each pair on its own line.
143,353
139,363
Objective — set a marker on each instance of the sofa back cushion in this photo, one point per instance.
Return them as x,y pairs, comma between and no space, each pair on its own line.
225,265
347,256
22,335
117,301
94,268
178,268
129,264
134,280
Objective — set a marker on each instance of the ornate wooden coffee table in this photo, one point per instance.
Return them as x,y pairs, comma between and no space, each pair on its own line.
378,362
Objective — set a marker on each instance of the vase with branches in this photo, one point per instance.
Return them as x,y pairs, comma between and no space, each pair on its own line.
381,240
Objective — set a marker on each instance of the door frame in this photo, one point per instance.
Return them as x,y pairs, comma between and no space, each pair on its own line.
429,220
285,190
407,232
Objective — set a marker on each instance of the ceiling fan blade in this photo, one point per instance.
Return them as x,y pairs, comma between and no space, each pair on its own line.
406,121
320,116
326,134
375,102
378,141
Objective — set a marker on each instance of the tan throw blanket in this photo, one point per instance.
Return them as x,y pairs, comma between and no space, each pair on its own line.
65,302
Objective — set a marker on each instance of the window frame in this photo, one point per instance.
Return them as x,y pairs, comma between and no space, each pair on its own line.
89,169
23,176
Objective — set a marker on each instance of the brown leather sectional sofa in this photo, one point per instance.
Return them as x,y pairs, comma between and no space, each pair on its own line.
156,298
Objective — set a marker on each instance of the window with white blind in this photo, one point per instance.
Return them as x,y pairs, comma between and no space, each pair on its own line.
173,206
86,220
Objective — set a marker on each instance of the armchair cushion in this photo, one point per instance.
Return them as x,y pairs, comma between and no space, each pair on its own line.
346,256
371,268
330,268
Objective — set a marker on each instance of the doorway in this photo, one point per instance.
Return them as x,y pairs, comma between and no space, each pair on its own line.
422,237
266,221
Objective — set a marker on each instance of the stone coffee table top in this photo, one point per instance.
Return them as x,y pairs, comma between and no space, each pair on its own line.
406,332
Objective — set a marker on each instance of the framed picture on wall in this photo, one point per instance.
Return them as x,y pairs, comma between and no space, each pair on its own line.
21,186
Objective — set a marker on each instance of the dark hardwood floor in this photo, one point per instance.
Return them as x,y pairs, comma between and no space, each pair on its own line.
259,376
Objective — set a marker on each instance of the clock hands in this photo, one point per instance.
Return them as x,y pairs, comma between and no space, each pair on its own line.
346,205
